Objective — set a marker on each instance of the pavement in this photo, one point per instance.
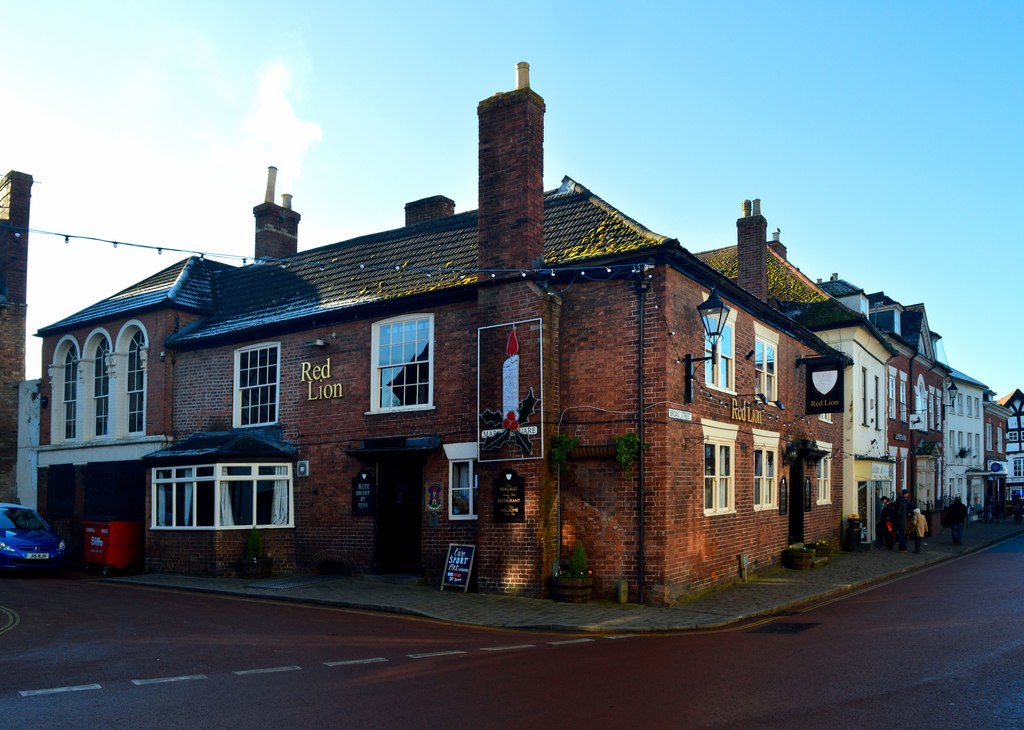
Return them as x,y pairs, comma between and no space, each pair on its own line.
778,591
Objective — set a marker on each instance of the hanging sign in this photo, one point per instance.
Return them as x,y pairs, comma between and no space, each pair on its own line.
509,384
364,494
824,385
457,566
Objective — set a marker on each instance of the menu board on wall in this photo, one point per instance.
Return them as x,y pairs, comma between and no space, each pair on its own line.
364,494
509,497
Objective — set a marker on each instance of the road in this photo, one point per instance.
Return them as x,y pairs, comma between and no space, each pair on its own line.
940,648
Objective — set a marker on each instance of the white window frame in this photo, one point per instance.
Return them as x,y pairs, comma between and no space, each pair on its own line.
765,488
725,362
766,350
823,491
377,387
100,392
721,437
892,396
66,397
219,477
903,397
458,454
273,402
133,385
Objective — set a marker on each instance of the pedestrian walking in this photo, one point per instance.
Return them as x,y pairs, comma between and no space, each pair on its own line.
1017,507
920,528
885,528
900,513
956,514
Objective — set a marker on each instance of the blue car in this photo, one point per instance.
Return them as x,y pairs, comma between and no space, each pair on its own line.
27,541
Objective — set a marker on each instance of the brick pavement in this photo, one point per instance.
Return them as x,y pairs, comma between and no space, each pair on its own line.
776,591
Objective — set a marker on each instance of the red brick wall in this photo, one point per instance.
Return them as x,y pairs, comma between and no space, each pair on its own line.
15,202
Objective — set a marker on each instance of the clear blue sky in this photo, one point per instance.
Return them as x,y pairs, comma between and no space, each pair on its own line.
884,139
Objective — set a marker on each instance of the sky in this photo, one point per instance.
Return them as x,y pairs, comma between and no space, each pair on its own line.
883,139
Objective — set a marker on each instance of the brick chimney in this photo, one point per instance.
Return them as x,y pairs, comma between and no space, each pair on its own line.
510,228
428,209
277,226
752,249
15,200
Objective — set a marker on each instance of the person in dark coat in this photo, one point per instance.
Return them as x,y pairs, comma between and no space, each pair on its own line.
1017,508
884,528
956,515
900,513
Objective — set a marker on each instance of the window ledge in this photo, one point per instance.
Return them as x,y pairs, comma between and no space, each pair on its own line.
404,409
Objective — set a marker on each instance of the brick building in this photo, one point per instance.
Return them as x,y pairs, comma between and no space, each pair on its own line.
367,403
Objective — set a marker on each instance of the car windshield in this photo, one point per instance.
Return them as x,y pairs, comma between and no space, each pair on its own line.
20,518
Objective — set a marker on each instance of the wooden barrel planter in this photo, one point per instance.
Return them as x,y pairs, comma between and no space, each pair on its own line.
572,590
798,559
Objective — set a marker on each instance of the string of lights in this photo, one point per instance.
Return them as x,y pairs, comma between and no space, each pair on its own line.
600,272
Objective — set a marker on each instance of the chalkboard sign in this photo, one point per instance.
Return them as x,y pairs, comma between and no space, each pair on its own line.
509,497
364,494
457,566
783,496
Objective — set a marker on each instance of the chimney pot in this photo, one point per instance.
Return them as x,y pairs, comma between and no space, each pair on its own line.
271,184
286,201
757,206
776,233
835,277
522,75
746,208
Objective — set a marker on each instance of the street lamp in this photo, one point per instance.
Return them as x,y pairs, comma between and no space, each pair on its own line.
713,314
952,390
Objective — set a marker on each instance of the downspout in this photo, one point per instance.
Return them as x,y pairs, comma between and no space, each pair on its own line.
641,291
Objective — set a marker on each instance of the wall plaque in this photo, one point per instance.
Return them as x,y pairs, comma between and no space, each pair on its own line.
509,497
364,494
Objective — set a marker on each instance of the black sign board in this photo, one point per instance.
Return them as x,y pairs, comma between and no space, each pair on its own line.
509,497
364,494
824,386
457,566
783,496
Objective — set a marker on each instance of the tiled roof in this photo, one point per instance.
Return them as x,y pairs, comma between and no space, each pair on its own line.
1016,395
435,255
251,443
187,284
966,378
839,288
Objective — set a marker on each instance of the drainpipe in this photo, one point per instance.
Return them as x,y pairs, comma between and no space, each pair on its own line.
642,285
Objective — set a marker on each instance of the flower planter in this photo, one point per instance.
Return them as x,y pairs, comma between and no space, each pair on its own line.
798,559
822,551
572,590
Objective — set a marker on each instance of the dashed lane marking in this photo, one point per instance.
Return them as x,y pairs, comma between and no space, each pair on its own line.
58,690
165,680
268,670
566,642
509,648
349,662
429,654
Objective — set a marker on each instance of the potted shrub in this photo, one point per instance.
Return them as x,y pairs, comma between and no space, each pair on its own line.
798,558
575,581
256,563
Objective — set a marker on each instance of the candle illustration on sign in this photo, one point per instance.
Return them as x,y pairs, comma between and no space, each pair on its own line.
511,422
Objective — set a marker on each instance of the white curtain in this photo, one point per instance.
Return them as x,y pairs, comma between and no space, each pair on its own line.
161,505
186,518
227,514
279,515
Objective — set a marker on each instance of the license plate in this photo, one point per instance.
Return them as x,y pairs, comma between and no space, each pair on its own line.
37,556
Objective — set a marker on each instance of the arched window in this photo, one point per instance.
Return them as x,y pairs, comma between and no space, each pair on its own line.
69,398
135,384
101,387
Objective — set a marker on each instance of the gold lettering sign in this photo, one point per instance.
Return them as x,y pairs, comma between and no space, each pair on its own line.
314,376
746,412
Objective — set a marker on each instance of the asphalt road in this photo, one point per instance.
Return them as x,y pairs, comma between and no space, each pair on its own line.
940,648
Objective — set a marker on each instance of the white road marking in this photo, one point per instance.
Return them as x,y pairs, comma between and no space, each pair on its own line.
347,662
508,648
163,680
56,690
620,636
427,655
570,641
268,670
